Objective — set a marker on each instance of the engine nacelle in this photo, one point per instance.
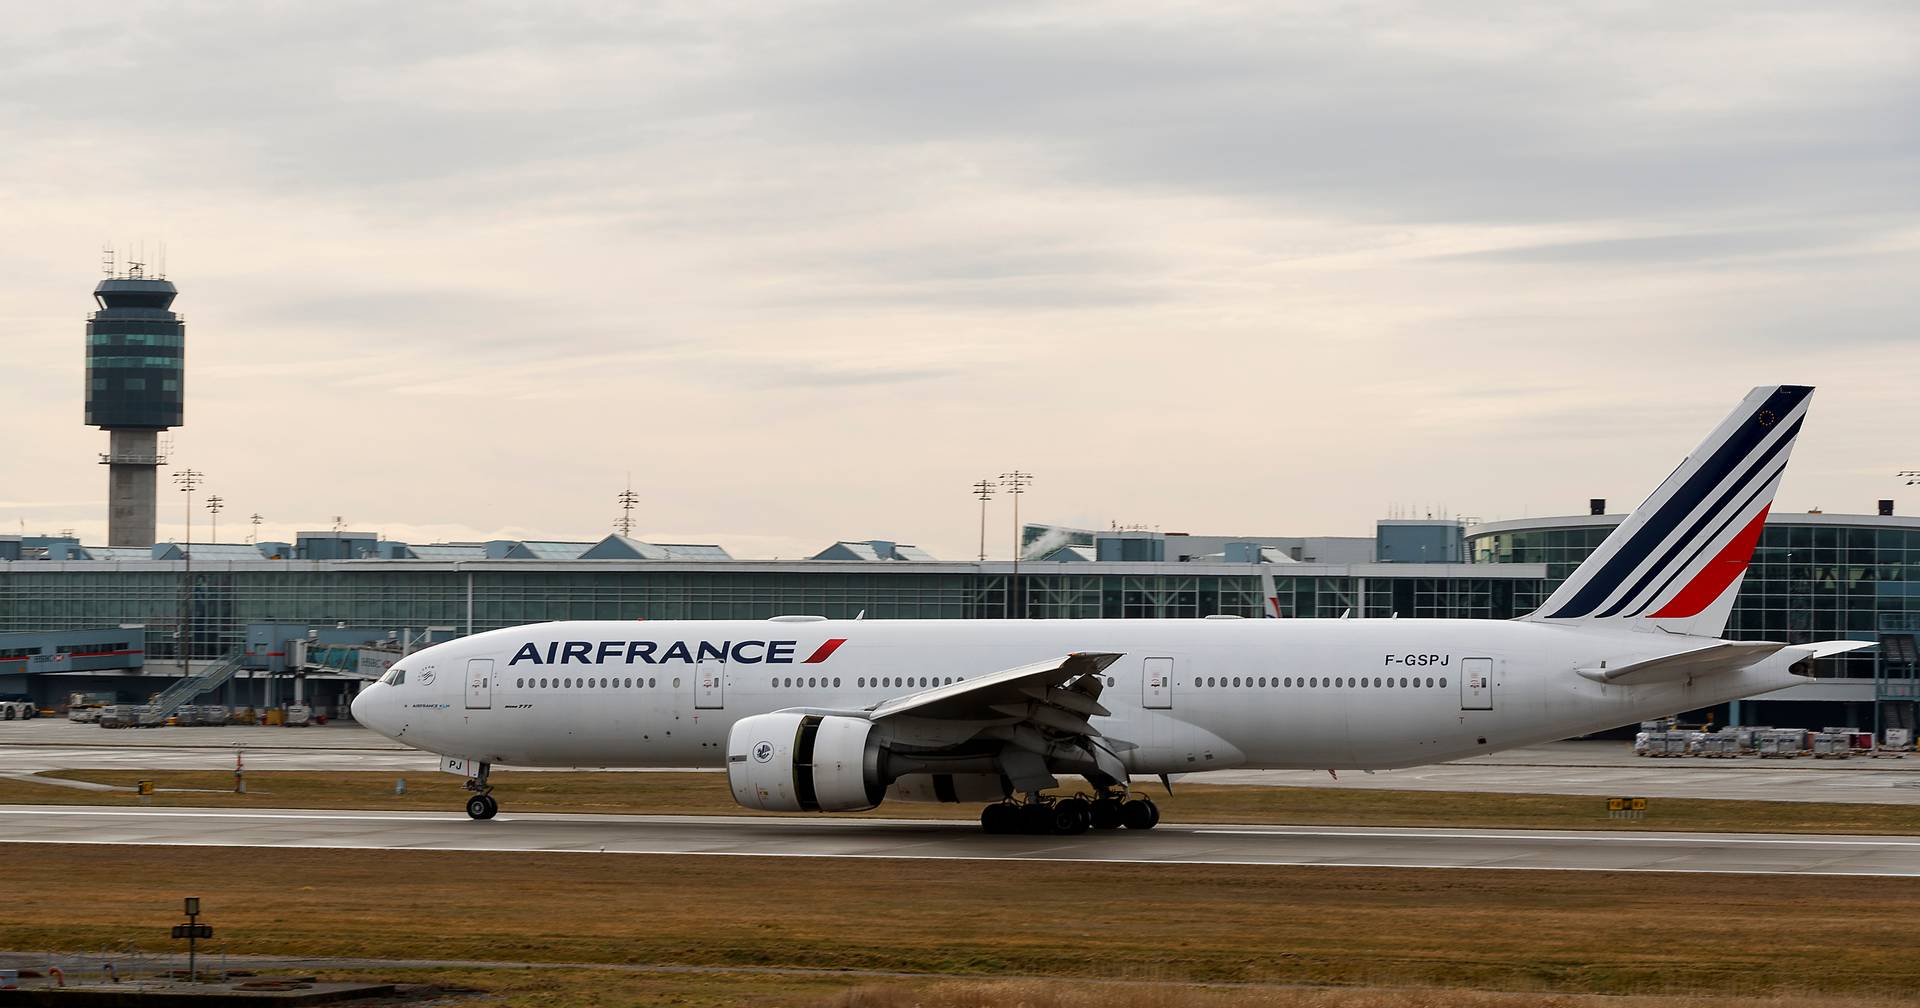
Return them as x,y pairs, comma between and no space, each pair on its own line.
786,762
970,788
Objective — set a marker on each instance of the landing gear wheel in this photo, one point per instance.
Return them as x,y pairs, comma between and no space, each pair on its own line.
1036,820
482,806
1139,814
1000,817
1155,809
1106,813
1072,817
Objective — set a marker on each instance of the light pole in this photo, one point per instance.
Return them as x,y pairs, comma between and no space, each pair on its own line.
256,520
628,501
187,480
214,505
984,490
1016,483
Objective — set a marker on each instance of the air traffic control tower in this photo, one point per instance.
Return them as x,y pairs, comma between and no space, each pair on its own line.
136,357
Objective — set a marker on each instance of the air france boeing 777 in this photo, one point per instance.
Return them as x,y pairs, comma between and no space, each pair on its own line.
814,715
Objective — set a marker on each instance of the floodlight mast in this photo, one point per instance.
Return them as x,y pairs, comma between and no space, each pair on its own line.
187,480
984,490
1016,483
628,501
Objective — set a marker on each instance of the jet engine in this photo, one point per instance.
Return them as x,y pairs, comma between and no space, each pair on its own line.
785,762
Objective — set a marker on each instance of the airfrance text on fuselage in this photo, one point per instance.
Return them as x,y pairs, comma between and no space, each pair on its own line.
746,652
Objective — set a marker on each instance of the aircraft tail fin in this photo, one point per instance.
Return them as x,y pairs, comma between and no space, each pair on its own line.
1677,561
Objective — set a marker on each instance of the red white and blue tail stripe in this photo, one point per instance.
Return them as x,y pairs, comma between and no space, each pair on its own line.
1677,561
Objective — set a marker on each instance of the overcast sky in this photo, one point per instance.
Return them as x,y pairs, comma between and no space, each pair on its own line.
806,271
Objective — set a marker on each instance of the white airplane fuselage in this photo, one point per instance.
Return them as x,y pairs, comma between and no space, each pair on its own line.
1187,695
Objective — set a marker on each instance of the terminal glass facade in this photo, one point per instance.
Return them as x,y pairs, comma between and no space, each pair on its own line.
509,593
1808,581
1561,549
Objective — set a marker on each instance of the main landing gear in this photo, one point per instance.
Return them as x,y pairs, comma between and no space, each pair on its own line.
1040,816
482,804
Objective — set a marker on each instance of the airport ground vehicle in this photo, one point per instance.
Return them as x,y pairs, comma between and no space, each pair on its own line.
86,707
809,715
17,707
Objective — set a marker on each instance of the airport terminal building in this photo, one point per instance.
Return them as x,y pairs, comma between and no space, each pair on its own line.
307,608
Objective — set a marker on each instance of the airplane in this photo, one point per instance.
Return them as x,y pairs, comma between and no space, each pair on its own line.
808,714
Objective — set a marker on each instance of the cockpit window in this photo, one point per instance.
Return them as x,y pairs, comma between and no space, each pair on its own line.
394,677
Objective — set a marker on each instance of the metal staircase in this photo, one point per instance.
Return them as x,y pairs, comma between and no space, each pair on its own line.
171,699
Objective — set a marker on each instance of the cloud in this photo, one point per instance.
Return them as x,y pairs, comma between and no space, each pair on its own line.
1674,248
1263,267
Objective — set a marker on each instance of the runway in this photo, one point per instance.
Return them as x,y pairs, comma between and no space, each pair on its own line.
1715,853
1580,768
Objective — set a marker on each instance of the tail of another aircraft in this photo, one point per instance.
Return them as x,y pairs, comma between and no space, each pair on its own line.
1677,561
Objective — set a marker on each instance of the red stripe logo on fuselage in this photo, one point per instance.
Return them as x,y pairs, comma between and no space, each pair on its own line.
824,651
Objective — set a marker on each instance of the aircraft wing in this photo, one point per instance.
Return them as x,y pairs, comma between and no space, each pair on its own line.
1034,716
1059,692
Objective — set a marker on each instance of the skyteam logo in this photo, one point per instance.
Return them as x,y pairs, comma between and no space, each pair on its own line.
763,752
746,652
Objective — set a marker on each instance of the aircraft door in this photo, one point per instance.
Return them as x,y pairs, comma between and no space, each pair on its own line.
1156,683
710,685
479,683
1476,684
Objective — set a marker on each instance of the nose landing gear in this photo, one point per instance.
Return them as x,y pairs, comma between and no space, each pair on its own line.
482,805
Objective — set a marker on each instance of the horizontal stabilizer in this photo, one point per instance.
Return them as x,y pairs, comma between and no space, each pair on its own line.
1727,656
1827,649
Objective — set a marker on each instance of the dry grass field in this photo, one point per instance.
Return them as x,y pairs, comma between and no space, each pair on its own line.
706,794
1055,935
1427,937
613,988
952,994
